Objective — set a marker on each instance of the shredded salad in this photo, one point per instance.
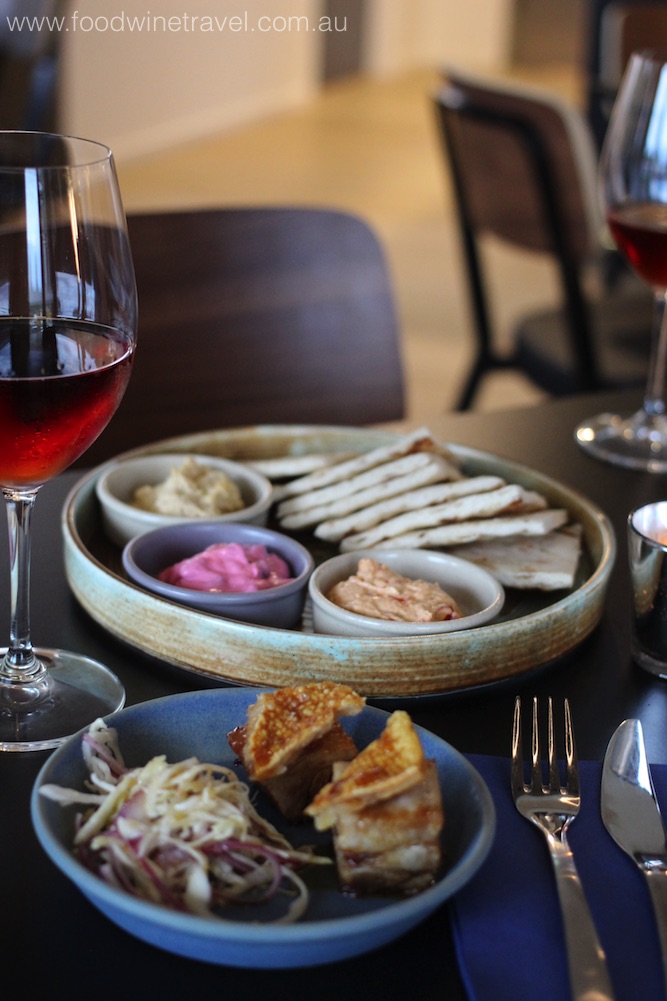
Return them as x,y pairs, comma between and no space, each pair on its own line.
185,835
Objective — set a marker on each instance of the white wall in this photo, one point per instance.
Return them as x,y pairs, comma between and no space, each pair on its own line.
170,79
476,34
143,90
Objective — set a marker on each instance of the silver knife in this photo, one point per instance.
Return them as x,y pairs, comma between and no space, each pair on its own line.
631,814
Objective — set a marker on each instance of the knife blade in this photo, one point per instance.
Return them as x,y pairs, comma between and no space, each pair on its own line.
631,814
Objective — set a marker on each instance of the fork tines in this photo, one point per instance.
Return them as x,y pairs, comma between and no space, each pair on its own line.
537,784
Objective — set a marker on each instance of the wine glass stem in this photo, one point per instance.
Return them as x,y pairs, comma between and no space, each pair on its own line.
654,400
20,663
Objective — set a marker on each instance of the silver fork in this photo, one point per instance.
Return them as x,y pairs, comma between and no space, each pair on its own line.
552,808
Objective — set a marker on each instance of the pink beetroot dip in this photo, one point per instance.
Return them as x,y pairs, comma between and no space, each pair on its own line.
229,567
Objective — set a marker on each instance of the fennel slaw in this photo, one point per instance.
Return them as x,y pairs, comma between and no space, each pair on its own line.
185,835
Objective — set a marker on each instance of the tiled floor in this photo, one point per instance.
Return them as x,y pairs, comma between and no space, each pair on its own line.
370,147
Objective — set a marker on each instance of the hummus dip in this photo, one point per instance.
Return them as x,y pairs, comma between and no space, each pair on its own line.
379,592
193,490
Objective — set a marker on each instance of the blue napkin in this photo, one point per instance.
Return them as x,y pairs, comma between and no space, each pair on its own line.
506,921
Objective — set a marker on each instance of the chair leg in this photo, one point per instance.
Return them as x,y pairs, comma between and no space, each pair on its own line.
471,385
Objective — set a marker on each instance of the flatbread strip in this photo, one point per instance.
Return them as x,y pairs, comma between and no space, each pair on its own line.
334,529
545,563
289,466
423,468
420,440
456,533
370,478
463,509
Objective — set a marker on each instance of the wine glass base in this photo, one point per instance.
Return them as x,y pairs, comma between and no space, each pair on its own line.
636,442
75,691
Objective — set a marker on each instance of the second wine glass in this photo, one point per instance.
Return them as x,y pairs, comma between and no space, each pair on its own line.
633,185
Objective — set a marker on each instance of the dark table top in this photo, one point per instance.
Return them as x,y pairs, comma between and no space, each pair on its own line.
47,921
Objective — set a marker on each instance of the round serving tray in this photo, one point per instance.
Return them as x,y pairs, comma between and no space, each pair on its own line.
535,628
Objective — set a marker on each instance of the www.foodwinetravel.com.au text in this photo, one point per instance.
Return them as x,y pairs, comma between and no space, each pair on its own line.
175,23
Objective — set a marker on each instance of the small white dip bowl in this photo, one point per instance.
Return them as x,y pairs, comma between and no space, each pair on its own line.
117,483
479,595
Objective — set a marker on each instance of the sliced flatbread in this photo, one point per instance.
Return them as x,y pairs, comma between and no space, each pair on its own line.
420,440
334,529
546,563
370,478
464,509
457,533
432,470
289,466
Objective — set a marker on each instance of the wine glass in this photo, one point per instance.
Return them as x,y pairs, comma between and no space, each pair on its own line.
68,317
633,184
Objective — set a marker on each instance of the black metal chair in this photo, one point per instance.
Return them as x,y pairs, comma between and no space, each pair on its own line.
253,316
523,169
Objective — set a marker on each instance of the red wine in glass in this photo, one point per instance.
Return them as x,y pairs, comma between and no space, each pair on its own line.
56,396
640,232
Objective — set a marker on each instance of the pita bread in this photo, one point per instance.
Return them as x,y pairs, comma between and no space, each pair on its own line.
371,478
412,494
546,563
457,533
430,469
420,440
463,509
289,466
336,528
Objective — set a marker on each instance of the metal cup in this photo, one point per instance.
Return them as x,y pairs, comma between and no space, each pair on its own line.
647,553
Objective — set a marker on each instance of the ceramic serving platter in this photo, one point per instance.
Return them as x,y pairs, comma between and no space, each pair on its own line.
534,629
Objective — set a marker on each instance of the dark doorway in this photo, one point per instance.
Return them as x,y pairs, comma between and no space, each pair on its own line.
342,45
549,31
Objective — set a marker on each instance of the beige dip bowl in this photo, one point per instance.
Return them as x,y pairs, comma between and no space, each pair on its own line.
115,488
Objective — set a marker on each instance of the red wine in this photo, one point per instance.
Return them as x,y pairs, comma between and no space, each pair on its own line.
640,232
60,384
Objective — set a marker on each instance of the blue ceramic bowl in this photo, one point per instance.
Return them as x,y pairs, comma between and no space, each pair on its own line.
335,925
145,556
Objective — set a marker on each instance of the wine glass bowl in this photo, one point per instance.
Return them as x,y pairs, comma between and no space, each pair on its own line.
633,187
68,317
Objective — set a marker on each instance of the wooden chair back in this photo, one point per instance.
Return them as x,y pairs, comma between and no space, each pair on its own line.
257,316
522,166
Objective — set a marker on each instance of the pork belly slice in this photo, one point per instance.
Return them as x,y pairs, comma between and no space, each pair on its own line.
291,740
294,789
385,808
393,846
